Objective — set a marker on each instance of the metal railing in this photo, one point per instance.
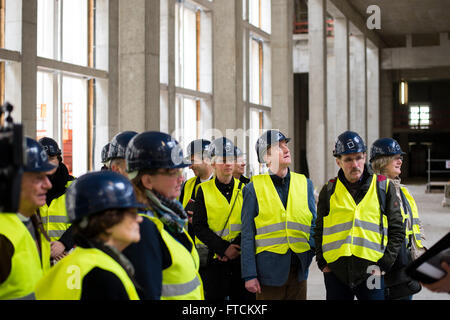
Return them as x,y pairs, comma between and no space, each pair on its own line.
436,183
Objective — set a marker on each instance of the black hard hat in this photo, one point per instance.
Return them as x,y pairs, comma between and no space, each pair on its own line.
154,150
197,146
348,142
267,139
99,191
222,147
105,150
36,157
119,144
384,147
50,146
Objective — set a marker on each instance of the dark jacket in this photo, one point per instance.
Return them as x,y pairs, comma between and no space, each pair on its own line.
270,268
353,270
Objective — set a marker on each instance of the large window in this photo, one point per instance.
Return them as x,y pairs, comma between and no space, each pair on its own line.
256,73
66,80
192,67
419,116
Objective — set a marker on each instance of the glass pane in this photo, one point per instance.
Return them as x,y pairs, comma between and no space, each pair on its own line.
254,66
44,108
74,30
254,134
414,109
164,43
74,126
45,28
186,48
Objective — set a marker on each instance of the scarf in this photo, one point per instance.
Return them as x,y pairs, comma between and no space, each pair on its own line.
170,212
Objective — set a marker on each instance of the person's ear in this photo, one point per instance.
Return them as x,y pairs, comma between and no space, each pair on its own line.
147,181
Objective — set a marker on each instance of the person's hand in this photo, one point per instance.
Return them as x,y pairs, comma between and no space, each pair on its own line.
326,269
233,251
253,286
442,285
189,214
57,248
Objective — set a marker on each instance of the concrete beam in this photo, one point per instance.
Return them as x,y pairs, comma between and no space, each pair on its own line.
415,57
339,8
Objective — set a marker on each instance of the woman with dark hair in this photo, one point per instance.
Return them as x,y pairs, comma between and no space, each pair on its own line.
103,208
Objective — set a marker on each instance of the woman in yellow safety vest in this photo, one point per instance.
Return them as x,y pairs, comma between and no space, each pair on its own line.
166,260
386,157
103,209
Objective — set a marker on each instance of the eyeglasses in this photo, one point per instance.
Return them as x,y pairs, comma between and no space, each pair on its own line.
173,173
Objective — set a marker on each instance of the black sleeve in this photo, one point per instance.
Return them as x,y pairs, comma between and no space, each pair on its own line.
100,284
6,254
181,197
67,240
396,229
201,228
322,211
147,259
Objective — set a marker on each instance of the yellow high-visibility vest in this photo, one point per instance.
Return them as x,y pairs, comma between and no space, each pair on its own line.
181,280
414,232
26,265
218,209
354,229
188,189
65,279
278,228
54,217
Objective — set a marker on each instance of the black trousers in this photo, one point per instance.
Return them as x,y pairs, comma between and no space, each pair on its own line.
222,281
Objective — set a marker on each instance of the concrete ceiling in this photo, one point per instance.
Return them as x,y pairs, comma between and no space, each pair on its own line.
424,19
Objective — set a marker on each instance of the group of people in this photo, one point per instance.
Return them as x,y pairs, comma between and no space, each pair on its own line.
137,230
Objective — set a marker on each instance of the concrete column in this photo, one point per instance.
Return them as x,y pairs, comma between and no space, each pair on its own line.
282,70
358,83
29,67
373,93
316,138
224,61
113,68
386,103
342,72
139,65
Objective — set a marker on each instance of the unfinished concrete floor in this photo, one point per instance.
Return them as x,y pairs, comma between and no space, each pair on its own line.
436,222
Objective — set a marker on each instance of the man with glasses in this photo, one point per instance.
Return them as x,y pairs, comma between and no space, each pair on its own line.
357,236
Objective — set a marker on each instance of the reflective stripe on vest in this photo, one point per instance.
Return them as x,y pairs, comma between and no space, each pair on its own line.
412,207
279,228
218,208
351,229
26,264
181,280
54,217
64,281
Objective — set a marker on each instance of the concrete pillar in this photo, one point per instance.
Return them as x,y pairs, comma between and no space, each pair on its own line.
316,139
224,57
282,70
358,85
386,103
139,88
113,70
29,67
373,93
342,72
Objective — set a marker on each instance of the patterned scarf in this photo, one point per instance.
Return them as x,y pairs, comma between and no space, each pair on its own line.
170,212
